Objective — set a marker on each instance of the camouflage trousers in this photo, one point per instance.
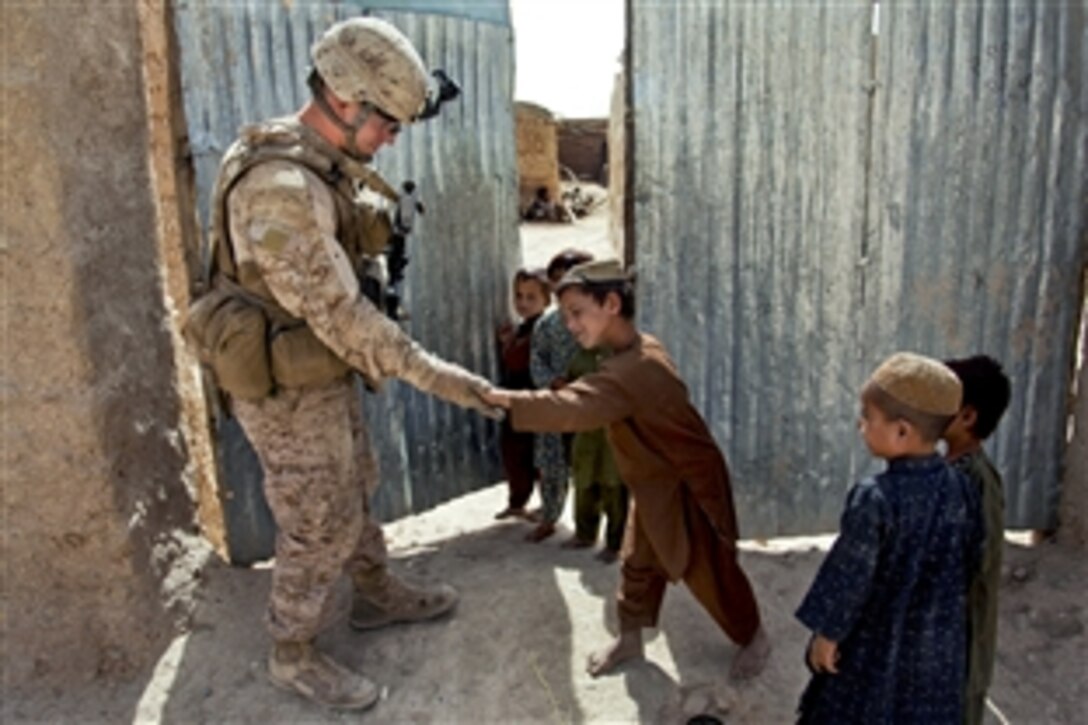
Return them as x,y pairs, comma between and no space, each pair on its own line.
319,472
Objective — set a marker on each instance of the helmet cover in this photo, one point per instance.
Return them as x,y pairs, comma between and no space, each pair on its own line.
367,60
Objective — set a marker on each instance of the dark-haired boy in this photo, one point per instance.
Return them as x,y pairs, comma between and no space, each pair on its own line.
888,606
681,523
532,294
986,393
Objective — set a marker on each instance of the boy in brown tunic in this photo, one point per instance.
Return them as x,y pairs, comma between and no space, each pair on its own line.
681,525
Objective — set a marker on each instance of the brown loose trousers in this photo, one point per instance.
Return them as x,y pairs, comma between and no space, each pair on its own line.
681,525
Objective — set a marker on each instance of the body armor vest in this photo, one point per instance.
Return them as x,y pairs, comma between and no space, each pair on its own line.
238,328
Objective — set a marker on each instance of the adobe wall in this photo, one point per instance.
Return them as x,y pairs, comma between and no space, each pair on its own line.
538,153
98,545
617,167
583,148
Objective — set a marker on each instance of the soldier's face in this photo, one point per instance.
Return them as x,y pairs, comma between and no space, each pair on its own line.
379,130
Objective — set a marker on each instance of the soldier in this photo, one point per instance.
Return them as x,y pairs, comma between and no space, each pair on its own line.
290,236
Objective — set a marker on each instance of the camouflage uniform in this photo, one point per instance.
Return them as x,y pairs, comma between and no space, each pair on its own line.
283,321
318,471
311,441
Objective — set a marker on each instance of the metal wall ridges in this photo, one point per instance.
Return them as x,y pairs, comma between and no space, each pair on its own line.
749,130
246,61
978,207
795,222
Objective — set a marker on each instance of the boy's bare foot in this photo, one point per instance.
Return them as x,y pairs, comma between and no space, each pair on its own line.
576,542
541,532
752,658
510,511
608,556
625,647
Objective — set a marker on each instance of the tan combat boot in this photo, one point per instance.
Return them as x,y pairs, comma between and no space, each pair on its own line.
381,599
298,667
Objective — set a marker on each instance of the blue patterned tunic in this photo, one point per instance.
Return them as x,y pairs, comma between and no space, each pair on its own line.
892,592
551,350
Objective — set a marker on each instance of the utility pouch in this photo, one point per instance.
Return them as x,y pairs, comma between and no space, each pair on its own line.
230,336
300,359
370,229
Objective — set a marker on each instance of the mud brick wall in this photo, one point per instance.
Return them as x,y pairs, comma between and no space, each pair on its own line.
98,543
583,148
617,167
538,154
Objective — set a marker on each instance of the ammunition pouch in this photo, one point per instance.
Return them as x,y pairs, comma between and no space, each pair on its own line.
374,228
229,335
251,350
299,359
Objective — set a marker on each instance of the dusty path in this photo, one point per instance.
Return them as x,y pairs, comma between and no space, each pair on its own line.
530,614
513,652
540,240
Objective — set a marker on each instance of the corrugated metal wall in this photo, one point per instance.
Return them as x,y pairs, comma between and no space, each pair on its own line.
246,61
978,210
810,197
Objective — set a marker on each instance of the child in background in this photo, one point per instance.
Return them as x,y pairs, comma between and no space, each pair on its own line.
682,525
551,350
597,486
888,607
532,294
986,392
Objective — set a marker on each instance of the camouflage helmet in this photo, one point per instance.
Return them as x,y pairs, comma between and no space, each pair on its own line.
368,60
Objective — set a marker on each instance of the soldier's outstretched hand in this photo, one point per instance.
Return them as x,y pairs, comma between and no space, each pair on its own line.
481,388
459,386
498,397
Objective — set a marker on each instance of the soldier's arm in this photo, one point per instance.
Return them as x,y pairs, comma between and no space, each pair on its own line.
285,220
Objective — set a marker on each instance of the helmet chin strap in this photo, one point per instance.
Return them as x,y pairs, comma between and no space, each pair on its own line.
350,130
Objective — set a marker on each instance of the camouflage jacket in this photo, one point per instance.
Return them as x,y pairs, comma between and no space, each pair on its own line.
290,242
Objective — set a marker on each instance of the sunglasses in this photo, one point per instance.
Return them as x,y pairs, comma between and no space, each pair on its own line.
392,125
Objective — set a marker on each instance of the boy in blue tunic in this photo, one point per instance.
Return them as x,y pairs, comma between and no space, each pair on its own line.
888,606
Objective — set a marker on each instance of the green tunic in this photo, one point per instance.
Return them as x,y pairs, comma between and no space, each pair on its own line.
590,456
598,488
982,597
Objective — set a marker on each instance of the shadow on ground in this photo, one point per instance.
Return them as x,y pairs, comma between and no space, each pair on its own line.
530,615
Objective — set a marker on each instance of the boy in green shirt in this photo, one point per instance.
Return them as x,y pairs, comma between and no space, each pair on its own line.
986,393
598,489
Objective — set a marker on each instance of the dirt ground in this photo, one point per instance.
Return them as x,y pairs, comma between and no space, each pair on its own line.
530,614
540,240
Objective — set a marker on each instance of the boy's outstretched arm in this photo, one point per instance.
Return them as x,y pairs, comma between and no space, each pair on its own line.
588,403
